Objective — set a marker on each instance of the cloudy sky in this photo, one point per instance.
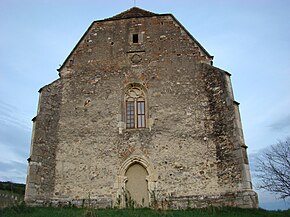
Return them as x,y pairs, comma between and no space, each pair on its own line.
249,38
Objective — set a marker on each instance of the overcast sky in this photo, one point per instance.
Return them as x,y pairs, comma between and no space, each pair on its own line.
248,38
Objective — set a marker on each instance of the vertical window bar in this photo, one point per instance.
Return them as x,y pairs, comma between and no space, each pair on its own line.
130,116
140,114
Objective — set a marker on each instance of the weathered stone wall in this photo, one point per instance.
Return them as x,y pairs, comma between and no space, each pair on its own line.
41,170
189,147
9,199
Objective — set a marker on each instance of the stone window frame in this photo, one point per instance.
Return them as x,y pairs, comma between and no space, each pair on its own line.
137,94
140,38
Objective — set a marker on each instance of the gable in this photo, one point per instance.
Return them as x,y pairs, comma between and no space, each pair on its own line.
132,16
134,12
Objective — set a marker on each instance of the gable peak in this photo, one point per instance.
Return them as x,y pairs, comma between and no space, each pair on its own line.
133,12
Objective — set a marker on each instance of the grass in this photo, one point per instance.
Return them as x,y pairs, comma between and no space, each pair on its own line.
23,211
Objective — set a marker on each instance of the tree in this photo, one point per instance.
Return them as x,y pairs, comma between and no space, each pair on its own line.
273,169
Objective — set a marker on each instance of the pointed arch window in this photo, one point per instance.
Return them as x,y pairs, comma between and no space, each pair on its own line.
135,107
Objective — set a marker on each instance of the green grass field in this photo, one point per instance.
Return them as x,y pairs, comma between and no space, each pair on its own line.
22,211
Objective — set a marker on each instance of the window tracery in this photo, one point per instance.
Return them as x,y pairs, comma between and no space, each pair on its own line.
135,107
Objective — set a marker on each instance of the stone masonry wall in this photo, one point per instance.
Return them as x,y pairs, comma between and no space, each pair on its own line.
40,178
188,146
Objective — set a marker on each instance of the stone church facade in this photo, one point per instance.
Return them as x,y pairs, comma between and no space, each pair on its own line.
139,116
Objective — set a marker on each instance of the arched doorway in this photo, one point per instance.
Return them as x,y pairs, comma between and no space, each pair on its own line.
137,185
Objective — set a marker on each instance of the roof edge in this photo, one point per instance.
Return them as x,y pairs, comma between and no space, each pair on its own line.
80,40
134,12
190,35
153,15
